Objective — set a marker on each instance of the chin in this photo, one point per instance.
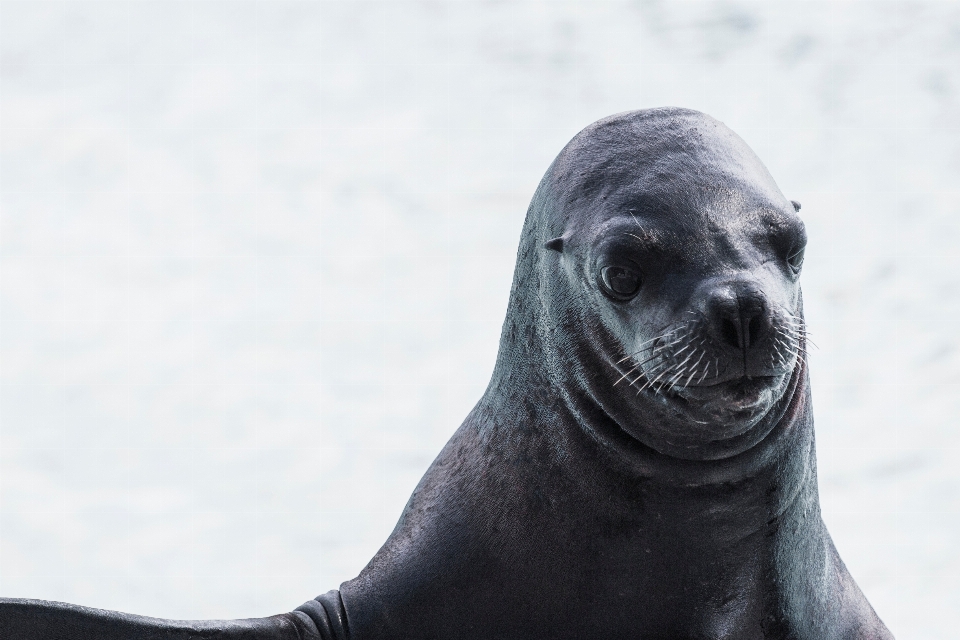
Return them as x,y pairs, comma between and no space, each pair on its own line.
735,406
715,420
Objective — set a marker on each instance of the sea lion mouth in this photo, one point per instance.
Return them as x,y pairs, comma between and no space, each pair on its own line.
740,394
741,399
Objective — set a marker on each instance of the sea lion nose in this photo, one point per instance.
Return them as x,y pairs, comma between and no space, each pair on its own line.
738,313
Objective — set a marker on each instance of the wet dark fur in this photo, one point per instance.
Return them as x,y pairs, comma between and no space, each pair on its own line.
640,466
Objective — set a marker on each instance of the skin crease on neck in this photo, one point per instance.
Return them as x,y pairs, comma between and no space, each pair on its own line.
642,463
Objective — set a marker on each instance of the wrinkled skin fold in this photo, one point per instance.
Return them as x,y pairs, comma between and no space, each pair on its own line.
642,463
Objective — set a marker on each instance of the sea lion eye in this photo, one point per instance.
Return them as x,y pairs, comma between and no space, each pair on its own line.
795,260
620,282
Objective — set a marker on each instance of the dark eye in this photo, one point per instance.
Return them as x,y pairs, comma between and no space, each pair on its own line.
795,260
620,282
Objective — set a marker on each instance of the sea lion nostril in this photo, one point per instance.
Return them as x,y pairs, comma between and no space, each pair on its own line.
730,331
738,317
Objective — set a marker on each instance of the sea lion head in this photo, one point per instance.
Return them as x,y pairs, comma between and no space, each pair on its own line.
666,264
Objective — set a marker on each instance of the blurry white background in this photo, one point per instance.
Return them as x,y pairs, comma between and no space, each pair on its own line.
254,257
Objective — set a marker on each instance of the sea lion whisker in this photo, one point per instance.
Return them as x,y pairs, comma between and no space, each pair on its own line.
693,372
677,353
681,370
645,385
663,383
627,357
695,365
643,346
687,359
626,375
652,382
635,367
666,334
678,370
657,366
706,370
652,370
663,347
675,378
652,357
776,346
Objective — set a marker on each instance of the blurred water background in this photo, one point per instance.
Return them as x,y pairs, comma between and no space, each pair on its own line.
254,258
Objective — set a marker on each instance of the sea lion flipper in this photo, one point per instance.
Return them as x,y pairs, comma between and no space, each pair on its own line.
23,619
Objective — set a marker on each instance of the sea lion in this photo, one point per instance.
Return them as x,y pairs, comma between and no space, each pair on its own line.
642,462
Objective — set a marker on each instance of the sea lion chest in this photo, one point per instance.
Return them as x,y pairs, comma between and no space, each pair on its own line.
517,548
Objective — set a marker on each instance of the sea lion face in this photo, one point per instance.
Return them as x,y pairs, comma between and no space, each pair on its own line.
705,303
693,283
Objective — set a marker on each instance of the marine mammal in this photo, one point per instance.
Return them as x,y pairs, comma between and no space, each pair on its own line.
642,462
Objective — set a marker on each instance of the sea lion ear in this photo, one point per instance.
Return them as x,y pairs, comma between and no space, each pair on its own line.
556,244
796,205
